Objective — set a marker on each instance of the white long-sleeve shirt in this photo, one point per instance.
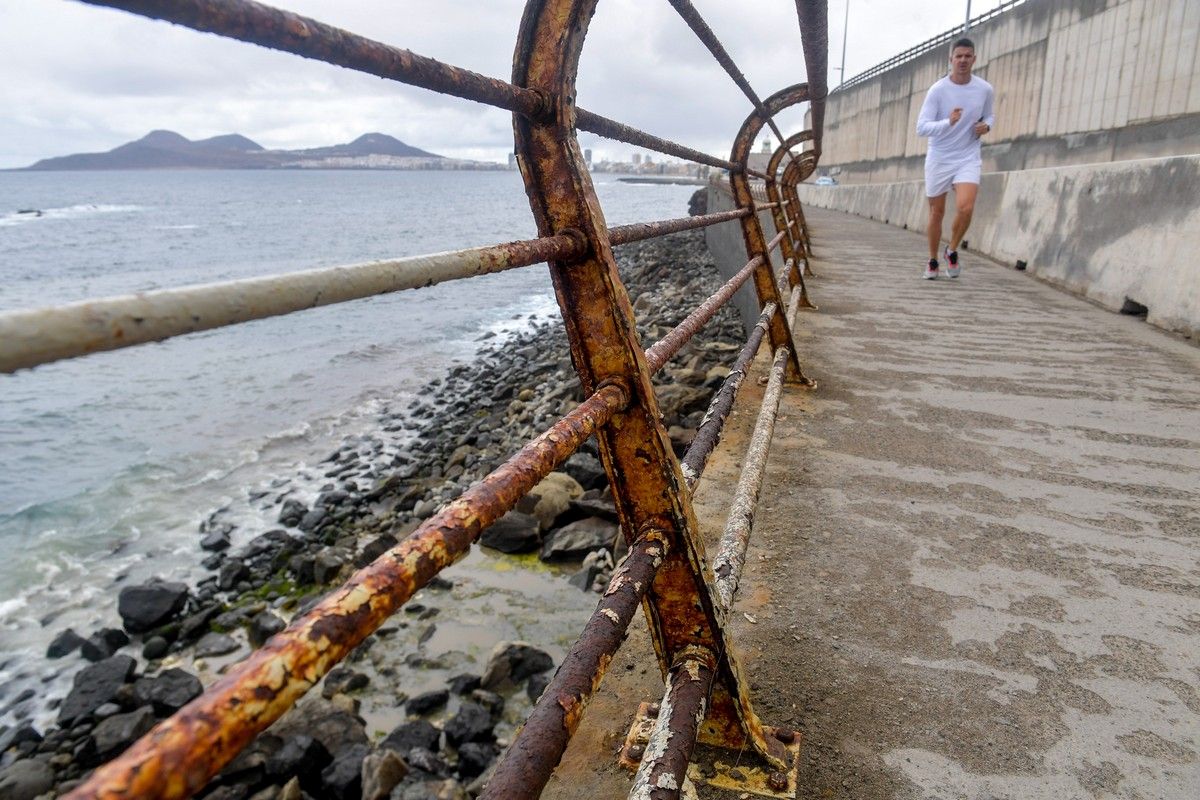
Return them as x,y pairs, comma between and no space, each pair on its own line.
955,142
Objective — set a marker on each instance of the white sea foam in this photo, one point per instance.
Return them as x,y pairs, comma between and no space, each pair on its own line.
22,216
11,606
527,312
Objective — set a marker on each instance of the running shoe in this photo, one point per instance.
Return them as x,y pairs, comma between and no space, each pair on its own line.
931,270
952,269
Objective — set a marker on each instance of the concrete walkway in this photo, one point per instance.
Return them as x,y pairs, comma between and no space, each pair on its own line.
976,567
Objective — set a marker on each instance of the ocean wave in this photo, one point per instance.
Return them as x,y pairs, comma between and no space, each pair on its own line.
372,352
521,316
11,606
24,215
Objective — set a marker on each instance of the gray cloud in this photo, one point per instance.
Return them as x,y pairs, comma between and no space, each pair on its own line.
79,78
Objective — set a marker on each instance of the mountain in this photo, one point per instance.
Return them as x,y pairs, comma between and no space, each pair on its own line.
230,141
164,150
369,144
169,150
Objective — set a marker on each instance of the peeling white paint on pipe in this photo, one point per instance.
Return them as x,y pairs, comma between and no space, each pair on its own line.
731,551
689,669
30,337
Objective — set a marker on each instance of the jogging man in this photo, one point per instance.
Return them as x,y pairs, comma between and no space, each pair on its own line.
956,112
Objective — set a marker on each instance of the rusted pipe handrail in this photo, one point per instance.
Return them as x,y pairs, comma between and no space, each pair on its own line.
594,123
775,241
731,552
30,337
709,431
659,353
813,16
180,755
663,770
624,234
539,746
303,36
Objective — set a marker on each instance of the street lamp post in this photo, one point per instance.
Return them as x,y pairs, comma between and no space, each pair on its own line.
846,29
967,24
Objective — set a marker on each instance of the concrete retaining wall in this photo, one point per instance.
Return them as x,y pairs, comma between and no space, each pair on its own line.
1111,232
1077,82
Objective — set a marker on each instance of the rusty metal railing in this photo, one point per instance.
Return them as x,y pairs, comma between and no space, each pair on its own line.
667,570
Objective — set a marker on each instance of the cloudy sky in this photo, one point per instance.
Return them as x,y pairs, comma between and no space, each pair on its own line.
82,79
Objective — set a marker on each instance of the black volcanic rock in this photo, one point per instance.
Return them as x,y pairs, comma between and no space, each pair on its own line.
150,604
96,685
169,150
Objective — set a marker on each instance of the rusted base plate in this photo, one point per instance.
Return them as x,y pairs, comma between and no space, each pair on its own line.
639,733
714,766
723,769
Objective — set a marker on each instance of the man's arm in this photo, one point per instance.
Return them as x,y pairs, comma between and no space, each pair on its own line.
927,122
988,119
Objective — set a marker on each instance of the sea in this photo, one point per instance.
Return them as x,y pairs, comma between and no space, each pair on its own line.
109,463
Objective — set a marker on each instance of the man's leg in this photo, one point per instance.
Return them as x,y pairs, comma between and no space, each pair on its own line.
937,210
964,201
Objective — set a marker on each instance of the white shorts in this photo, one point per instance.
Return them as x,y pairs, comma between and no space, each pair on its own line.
940,176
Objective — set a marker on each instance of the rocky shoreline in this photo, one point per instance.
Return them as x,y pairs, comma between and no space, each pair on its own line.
453,721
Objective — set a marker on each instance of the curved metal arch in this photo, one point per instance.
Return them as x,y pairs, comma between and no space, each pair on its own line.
648,484
793,240
802,167
785,148
794,174
752,233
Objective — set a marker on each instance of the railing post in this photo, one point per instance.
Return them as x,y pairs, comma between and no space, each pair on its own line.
793,174
648,486
752,234
794,248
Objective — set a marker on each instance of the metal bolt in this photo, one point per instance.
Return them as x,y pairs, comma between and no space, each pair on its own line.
777,781
636,752
652,709
785,735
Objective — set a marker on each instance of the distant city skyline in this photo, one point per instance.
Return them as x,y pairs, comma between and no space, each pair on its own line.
85,79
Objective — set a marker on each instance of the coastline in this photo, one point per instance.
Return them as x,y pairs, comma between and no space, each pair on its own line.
477,415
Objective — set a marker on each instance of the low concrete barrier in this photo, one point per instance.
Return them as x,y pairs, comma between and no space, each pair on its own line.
728,249
1116,232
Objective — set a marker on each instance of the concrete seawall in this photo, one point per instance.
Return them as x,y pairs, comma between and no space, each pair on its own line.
728,250
1111,232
